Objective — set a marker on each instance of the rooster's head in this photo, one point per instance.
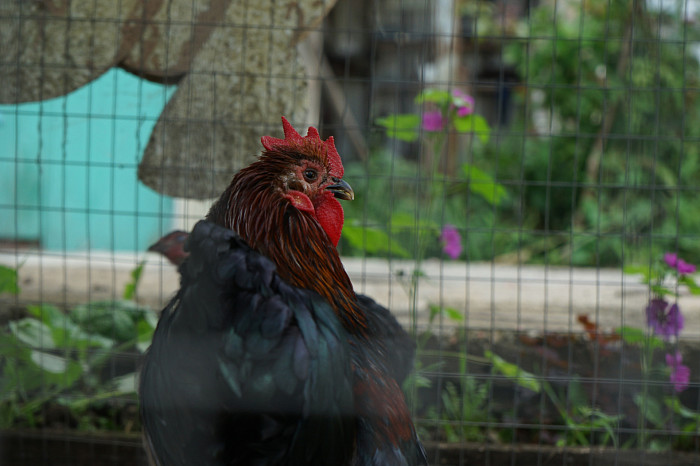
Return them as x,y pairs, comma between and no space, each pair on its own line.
310,175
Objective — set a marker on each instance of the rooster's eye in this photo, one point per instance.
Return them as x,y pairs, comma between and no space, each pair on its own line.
310,175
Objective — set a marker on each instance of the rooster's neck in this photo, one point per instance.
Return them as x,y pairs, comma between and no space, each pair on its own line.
294,240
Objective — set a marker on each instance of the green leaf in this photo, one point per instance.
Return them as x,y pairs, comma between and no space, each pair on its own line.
636,336
403,127
660,290
449,312
631,335
8,280
32,333
521,377
48,314
690,283
651,408
373,240
130,288
49,362
576,394
144,330
145,335
403,220
436,96
658,444
434,312
151,318
453,314
125,383
65,332
643,270
483,184
473,124
112,319
677,407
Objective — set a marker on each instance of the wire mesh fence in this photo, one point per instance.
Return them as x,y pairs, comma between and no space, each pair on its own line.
525,179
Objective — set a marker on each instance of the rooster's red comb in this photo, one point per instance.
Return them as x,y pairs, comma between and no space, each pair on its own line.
309,143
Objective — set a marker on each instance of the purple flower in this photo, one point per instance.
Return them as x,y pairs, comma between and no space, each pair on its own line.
664,318
685,268
433,121
671,259
682,266
451,241
464,103
464,111
680,374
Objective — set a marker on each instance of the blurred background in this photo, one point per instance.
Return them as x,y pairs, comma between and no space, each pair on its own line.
526,204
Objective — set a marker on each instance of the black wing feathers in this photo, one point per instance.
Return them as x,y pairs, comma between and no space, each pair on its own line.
244,368
400,348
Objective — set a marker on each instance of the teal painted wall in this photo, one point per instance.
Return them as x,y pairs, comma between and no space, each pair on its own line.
68,167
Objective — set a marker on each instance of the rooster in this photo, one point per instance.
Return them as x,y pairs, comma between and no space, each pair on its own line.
399,345
266,355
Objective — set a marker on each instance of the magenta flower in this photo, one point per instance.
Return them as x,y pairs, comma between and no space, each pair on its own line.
451,241
680,374
464,111
464,103
665,319
685,268
682,266
433,121
671,259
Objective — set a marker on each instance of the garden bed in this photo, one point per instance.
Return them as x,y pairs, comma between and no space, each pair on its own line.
478,395
62,448
585,390
501,418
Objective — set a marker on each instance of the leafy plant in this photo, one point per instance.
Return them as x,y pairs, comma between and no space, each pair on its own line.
664,324
442,112
406,221
580,419
603,153
464,410
8,280
57,357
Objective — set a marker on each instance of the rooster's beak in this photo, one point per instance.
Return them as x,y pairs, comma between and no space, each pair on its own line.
342,190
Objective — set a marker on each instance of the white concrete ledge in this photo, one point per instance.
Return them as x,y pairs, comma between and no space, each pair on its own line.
491,296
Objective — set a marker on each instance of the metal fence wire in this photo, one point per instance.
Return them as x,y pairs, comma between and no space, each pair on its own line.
526,205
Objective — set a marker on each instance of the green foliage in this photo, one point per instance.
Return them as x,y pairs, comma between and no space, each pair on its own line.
581,420
636,337
130,288
403,127
464,410
8,280
514,372
606,143
464,406
690,283
415,190
387,227
116,320
440,97
602,157
389,193
663,278
58,357
482,184
373,241
475,124
687,420
449,312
